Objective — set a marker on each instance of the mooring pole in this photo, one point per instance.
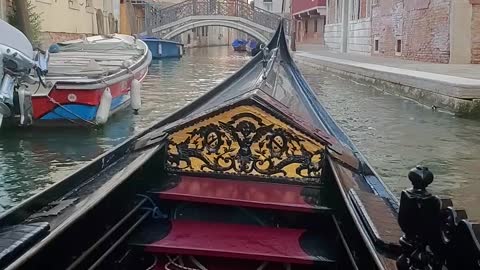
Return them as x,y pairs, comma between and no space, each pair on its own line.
293,30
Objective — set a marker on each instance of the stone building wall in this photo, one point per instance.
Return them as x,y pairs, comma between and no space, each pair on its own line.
358,36
415,30
333,36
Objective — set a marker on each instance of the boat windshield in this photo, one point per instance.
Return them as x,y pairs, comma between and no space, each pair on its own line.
13,38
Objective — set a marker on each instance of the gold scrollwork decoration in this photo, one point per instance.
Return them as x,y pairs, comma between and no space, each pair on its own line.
245,140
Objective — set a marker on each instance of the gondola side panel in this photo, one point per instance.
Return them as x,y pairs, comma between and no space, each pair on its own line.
245,140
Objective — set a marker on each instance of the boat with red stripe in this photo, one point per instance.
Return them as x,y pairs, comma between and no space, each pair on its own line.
89,80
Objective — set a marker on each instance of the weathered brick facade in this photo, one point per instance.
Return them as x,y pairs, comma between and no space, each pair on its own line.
47,38
476,33
421,25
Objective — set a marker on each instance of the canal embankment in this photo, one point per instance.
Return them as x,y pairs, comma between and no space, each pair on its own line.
453,87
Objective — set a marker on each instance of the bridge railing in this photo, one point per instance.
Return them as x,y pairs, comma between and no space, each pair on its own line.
156,16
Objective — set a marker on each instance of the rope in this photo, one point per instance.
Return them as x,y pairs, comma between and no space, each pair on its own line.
156,213
71,112
173,262
154,264
197,263
262,266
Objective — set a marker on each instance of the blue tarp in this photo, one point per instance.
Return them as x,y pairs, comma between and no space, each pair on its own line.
238,42
252,44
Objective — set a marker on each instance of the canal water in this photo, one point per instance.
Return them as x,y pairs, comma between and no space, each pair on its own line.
394,133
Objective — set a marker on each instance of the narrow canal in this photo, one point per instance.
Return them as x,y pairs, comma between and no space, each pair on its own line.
395,134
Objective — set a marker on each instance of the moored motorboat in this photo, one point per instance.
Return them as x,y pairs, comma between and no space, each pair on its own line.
161,48
253,175
88,80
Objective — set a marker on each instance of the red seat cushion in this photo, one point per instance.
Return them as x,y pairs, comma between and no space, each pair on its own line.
244,193
236,241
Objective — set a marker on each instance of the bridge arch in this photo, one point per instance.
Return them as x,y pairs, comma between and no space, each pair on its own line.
167,22
230,24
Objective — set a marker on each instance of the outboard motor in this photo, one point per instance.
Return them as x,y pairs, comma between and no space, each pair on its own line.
16,63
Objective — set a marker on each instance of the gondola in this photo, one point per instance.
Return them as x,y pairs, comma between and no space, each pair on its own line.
254,174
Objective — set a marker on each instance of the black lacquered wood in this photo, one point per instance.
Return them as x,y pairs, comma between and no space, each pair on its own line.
437,236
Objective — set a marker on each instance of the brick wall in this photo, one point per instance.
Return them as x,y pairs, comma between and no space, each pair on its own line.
48,38
422,26
476,34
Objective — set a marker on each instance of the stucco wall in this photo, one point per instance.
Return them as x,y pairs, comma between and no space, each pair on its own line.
311,36
61,16
299,6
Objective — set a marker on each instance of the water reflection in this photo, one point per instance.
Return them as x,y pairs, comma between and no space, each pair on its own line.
30,160
396,134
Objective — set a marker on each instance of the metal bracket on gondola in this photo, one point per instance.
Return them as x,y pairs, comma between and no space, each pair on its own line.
344,156
151,139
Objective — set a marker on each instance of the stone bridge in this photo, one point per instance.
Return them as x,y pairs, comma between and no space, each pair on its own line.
173,20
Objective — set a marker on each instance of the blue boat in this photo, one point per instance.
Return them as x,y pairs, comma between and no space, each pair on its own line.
161,48
253,47
239,45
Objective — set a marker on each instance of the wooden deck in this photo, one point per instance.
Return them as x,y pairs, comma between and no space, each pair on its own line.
382,221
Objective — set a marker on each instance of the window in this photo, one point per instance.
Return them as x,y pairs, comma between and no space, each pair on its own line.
203,31
354,10
73,4
306,26
338,11
375,45
3,13
206,31
299,28
315,25
89,6
369,8
398,47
